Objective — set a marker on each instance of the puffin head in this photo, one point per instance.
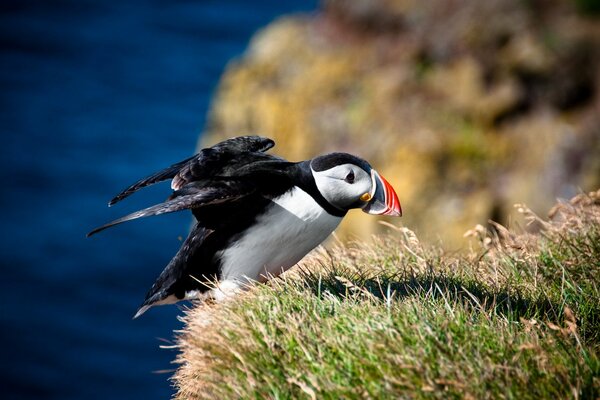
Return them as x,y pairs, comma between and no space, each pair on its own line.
347,182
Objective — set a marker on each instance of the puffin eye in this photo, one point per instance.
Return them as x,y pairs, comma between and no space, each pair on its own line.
350,177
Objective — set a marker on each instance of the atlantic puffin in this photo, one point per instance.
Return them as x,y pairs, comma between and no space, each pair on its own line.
256,215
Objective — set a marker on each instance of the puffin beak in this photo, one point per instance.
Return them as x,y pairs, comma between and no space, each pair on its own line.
383,199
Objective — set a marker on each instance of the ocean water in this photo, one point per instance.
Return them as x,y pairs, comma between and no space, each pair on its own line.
95,95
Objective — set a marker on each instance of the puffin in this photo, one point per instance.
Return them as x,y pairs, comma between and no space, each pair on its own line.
256,215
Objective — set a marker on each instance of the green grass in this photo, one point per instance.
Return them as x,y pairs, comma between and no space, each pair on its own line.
517,318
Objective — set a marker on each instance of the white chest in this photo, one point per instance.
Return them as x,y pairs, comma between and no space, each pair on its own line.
290,229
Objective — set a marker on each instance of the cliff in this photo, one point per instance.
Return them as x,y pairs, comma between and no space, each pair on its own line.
515,317
466,106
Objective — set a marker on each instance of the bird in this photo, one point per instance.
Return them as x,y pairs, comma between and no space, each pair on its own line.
256,214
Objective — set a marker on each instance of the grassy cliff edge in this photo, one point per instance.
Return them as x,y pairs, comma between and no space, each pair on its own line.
518,316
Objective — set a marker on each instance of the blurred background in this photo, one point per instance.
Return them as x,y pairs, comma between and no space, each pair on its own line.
466,106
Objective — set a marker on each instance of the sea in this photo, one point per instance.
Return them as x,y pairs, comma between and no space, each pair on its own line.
93,96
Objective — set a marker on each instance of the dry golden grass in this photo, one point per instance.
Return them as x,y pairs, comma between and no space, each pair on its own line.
518,316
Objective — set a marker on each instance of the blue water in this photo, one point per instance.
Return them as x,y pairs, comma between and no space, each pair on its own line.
95,95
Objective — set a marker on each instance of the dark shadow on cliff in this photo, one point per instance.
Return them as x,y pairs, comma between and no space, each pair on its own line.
471,294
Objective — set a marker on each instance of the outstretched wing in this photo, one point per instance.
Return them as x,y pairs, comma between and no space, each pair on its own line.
163,175
192,196
203,163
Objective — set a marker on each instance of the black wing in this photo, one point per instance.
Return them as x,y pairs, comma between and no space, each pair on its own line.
163,175
206,162
196,194
242,144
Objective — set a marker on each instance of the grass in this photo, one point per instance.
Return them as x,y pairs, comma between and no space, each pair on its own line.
517,317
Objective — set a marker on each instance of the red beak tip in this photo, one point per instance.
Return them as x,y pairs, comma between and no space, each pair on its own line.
392,201
392,204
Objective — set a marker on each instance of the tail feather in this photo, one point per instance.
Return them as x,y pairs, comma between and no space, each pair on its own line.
170,286
155,301
142,310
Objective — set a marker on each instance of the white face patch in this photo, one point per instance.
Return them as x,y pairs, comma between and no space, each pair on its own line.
340,191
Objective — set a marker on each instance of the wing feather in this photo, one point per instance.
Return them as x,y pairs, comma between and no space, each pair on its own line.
189,197
200,164
243,144
163,175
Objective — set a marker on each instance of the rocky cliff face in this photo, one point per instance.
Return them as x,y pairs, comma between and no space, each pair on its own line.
466,106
